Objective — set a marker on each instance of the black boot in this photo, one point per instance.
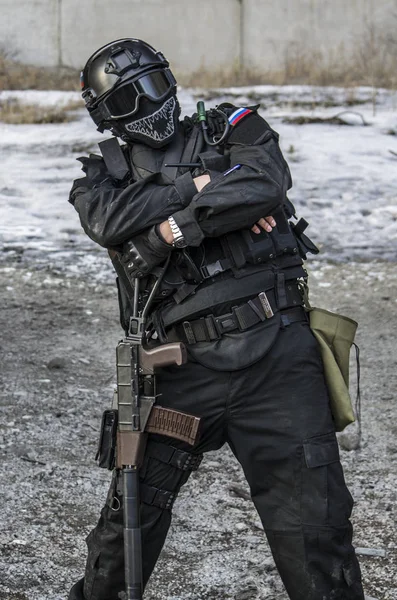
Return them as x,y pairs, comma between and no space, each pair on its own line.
76,593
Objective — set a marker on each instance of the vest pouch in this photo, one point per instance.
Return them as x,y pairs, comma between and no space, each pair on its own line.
257,247
335,335
284,243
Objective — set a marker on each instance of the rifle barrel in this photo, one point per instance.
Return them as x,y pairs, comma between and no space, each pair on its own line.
132,534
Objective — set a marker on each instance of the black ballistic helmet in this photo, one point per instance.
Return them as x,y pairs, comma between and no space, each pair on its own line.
129,89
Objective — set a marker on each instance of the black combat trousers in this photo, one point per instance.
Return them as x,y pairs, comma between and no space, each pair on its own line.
275,417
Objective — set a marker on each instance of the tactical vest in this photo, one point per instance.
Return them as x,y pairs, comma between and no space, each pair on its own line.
221,269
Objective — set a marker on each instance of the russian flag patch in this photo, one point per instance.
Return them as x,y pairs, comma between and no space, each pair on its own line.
239,114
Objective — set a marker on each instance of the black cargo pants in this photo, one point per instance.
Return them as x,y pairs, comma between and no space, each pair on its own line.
276,419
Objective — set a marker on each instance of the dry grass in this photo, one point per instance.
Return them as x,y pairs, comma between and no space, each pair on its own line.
16,76
300,69
373,63
14,112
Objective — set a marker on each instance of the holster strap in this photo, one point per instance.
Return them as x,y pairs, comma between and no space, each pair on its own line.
156,497
179,459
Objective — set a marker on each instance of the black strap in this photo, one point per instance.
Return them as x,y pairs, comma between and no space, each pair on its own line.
173,156
206,271
194,146
121,273
293,315
114,158
179,459
211,327
175,313
156,497
281,292
232,247
358,396
184,291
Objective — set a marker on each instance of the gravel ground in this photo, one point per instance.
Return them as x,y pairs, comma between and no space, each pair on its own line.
58,334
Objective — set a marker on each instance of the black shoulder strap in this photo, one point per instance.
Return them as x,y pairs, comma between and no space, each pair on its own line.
114,158
194,146
173,156
122,275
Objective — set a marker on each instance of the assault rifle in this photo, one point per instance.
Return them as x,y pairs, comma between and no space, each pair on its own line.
136,415
136,395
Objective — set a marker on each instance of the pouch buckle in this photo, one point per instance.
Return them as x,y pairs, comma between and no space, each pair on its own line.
211,270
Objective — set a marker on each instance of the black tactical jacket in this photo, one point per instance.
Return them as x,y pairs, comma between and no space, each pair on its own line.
111,215
249,180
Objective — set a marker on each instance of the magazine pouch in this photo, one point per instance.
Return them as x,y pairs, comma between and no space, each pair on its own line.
105,455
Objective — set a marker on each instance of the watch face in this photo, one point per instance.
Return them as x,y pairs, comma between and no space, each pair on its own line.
180,243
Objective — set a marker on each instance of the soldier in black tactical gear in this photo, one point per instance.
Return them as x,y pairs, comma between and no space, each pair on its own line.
231,292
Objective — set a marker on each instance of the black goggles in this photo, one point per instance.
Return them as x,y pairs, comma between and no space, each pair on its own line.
124,100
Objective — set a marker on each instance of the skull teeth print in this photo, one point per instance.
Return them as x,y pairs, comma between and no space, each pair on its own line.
159,126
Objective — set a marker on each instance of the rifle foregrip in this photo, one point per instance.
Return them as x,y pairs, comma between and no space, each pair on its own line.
162,356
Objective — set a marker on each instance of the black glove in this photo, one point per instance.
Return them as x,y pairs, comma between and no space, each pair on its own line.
144,252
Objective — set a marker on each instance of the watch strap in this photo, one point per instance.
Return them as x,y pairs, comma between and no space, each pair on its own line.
179,239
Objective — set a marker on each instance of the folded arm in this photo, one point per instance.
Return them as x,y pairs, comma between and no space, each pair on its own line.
254,186
111,215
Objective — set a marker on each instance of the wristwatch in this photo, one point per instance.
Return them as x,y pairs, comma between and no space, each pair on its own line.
179,240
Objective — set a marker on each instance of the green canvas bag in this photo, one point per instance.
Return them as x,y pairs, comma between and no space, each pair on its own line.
335,335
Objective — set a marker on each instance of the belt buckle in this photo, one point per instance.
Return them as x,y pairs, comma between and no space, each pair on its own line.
225,323
266,306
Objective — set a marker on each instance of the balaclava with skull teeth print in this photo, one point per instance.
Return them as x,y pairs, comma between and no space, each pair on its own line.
154,124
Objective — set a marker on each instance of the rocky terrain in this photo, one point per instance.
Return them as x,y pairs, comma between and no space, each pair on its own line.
59,328
58,334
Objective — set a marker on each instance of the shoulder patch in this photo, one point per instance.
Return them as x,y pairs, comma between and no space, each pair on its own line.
239,114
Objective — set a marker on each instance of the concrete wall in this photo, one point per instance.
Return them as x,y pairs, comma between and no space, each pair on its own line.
30,30
192,33
276,31
189,37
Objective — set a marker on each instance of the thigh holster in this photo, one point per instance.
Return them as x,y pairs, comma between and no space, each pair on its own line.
173,458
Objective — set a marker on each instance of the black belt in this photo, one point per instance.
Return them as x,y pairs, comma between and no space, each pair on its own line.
211,327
